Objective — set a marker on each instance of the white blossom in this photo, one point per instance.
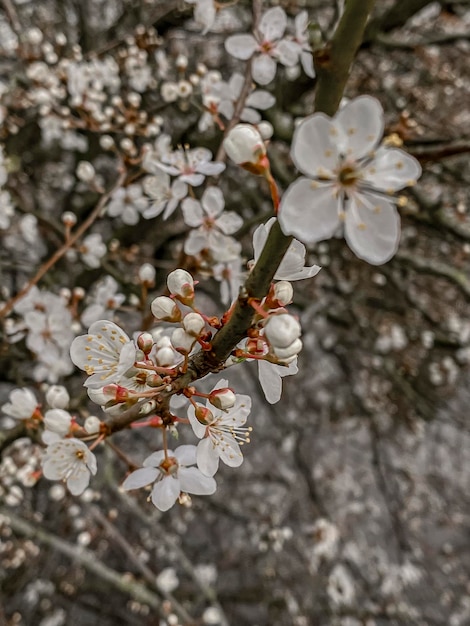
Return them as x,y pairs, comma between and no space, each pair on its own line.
105,353
69,460
128,203
171,473
165,196
222,433
350,181
267,46
213,226
22,405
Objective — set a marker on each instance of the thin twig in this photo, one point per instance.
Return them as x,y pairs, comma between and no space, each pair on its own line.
86,558
58,254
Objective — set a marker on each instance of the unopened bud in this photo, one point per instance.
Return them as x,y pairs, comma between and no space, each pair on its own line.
57,397
283,293
193,324
223,399
286,354
181,284
145,342
147,274
182,341
281,330
165,357
58,421
165,309
85,171
69,219
92,425
245,146
203,414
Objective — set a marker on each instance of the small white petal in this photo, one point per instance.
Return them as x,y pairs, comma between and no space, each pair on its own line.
241,46
165,493
264,69
141,478
392,169
186,454
372,228
192,212
192,480
273,24
207,457
213,201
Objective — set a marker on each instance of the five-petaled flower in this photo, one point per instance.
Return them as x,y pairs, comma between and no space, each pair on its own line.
222,433
171,474
350,181
69,460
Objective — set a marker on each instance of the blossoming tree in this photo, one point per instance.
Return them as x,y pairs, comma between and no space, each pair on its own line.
147,268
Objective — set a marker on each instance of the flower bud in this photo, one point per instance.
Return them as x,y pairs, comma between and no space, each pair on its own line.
147,274
193,324
145,342
283,293
281,330
182,341
181,285
245,146
57,397
165,356
293,350
85,171
92,425
223,399
265,129
165,309
58,421
203,414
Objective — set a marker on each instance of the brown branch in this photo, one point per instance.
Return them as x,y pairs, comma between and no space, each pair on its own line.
58,254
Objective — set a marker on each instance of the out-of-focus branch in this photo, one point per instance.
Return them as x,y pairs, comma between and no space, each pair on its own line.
86,558
333,61
58,254
396,16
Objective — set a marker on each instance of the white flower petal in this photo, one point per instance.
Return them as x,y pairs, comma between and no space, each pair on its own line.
186,455
263,69
273,24
78,481
229,222
360,124
392,169
287,52
141,478
260,99
306,60
213,201
241,46
314,150
372,228
207,457
193,214
165,493
309,211
154,459
192,480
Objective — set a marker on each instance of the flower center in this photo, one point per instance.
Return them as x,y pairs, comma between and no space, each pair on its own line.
348,176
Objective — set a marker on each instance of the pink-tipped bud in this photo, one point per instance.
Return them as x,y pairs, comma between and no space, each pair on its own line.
203,415
223,399
193,324
165,309
145,342
181,285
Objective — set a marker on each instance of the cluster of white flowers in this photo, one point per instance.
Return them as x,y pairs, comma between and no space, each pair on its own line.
268,46
347,186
